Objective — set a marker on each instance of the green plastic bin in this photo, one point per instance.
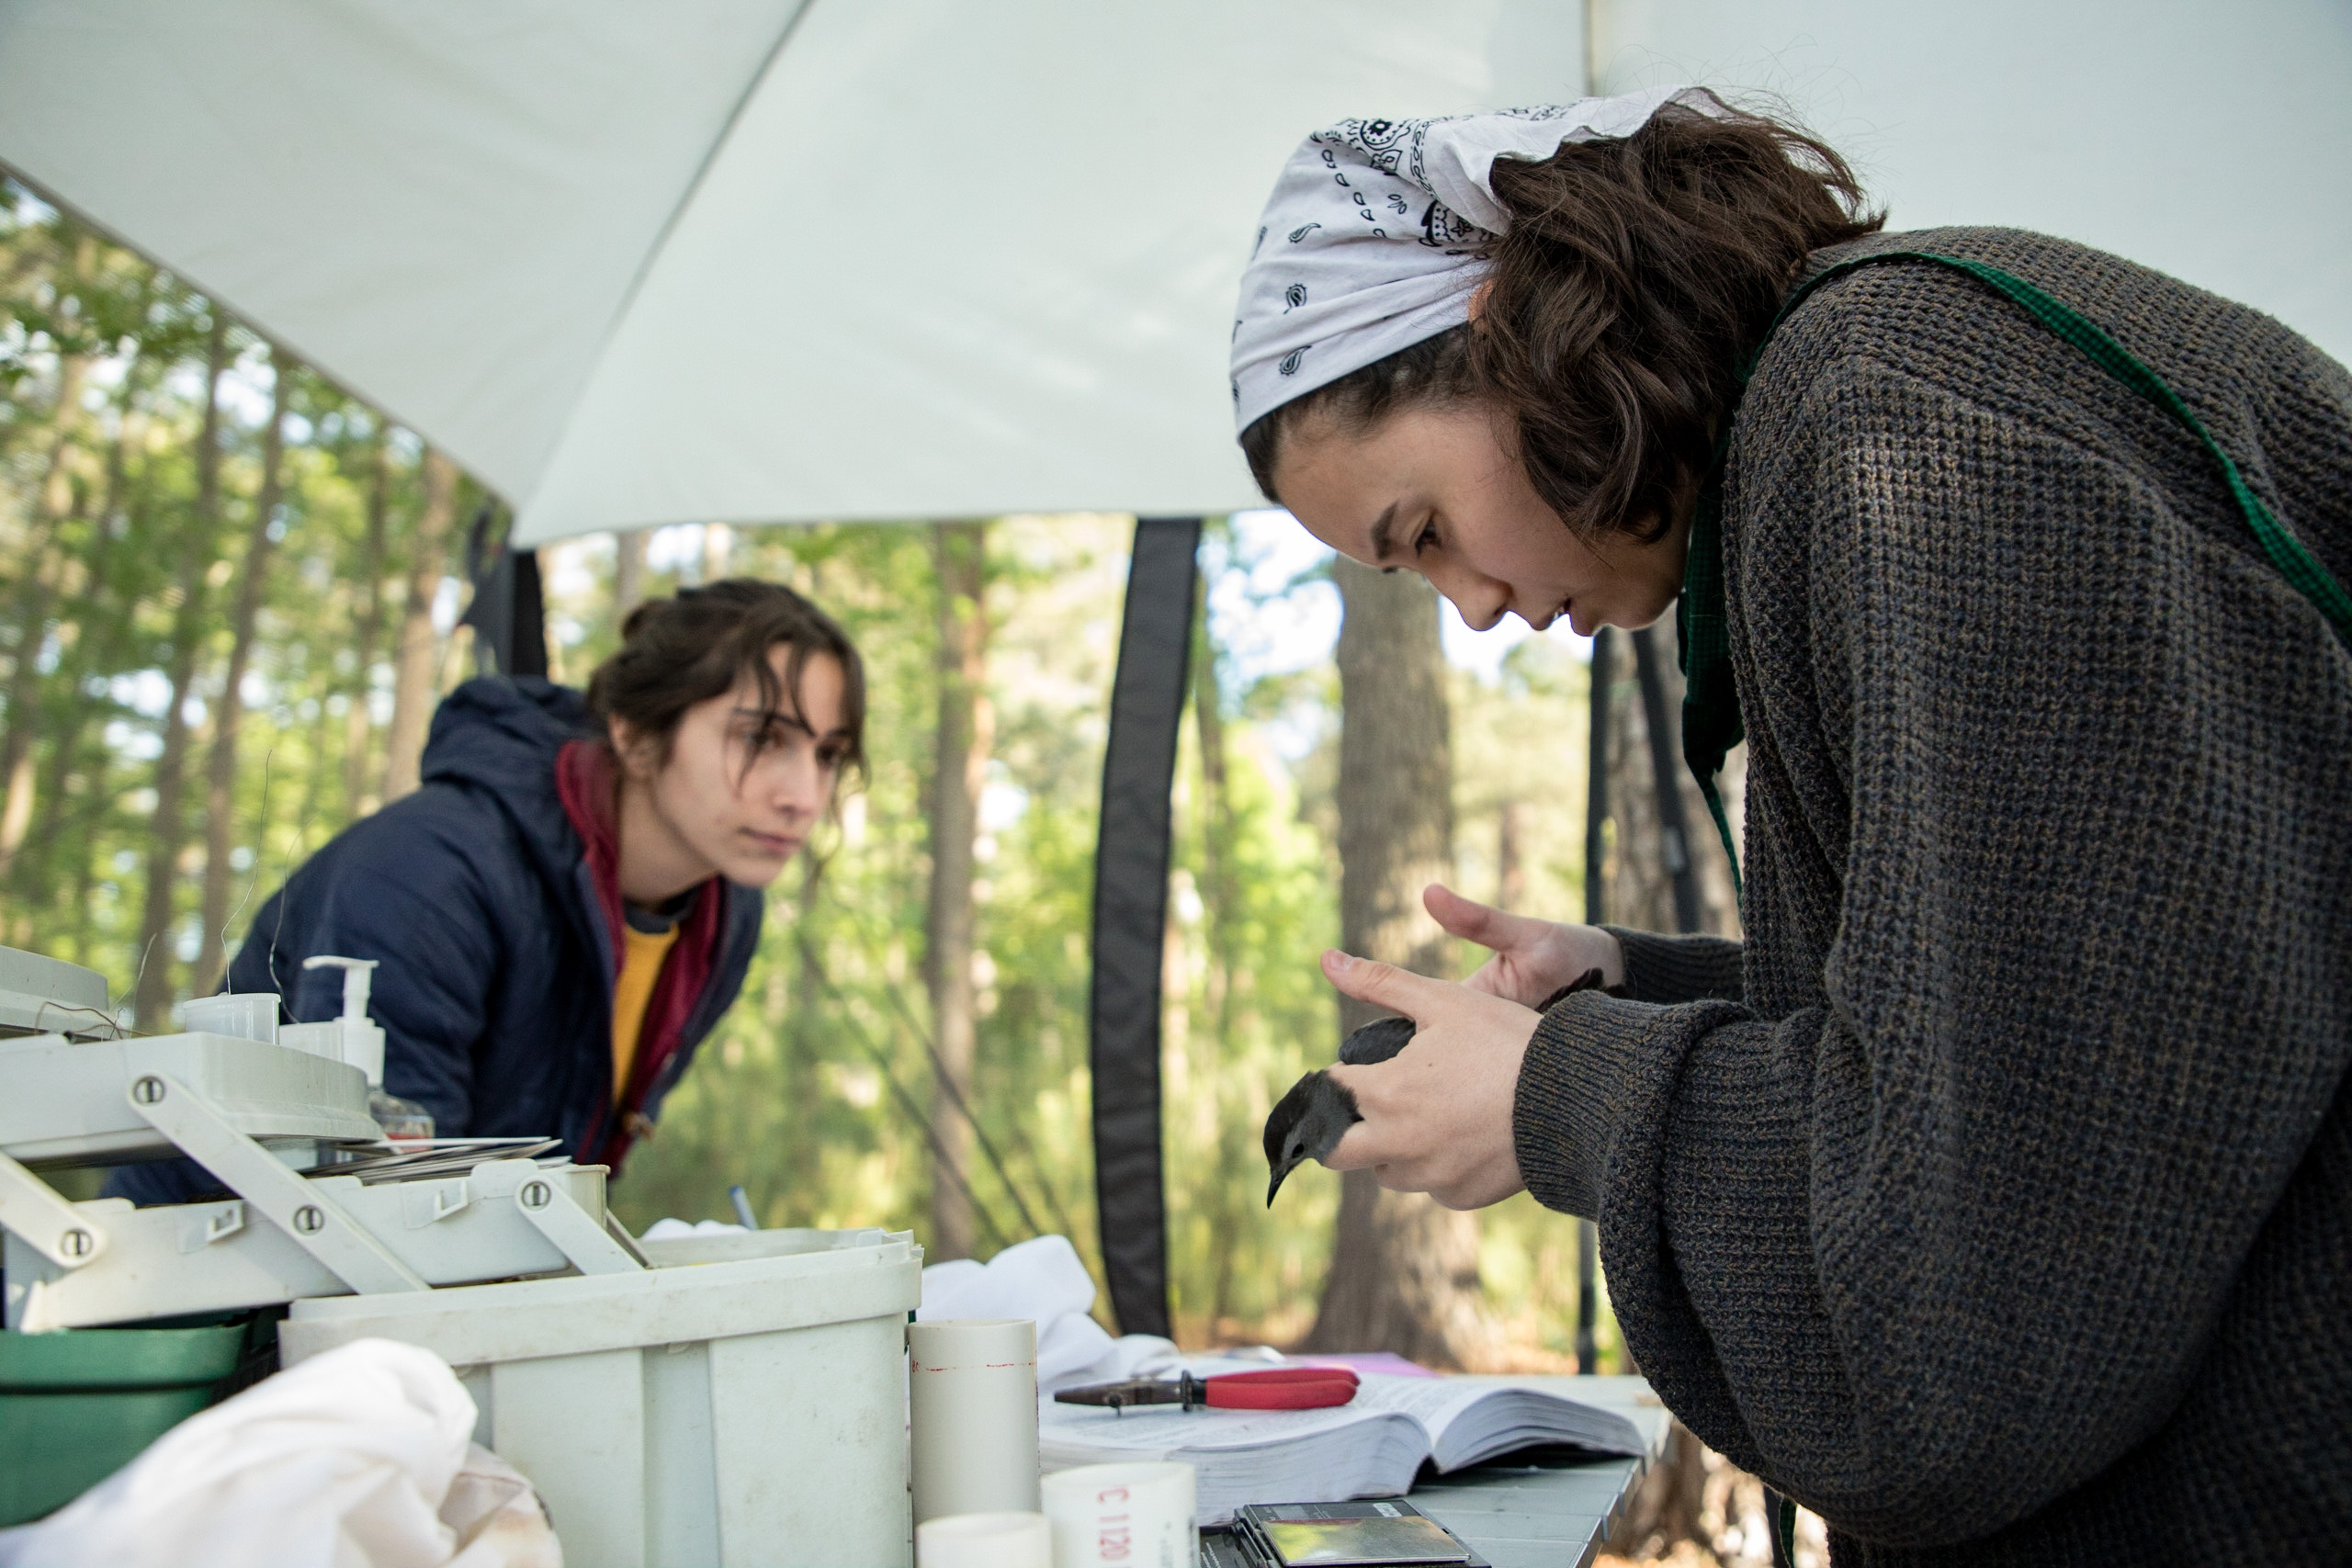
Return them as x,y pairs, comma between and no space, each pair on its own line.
79,1404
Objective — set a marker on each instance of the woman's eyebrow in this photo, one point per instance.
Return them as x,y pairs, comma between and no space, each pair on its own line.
793,721
776,716
1381,528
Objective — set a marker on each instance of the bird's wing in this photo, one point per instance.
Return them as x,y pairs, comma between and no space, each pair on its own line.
1377,1041
1588,981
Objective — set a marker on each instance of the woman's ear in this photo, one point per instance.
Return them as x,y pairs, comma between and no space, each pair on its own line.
637,754
1479,297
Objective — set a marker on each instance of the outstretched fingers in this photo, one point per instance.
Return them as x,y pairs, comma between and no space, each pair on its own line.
1481,923
1384,985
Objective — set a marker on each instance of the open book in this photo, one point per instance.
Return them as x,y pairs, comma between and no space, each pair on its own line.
1369,1448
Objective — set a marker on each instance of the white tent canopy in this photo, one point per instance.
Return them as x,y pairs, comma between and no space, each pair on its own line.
2212,142
746,260
786,260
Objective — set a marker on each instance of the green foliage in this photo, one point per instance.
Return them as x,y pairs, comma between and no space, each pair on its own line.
814,1091
105,547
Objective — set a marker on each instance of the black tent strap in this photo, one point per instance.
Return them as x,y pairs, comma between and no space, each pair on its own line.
508,611
1130,917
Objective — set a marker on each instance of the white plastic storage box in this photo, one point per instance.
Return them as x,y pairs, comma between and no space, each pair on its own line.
741,1403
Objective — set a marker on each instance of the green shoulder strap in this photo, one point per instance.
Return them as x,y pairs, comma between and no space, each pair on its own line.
1711,719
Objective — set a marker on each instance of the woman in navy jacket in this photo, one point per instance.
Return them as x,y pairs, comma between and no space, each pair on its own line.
568,905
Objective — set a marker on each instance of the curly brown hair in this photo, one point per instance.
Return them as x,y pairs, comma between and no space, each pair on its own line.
680,652
1637,273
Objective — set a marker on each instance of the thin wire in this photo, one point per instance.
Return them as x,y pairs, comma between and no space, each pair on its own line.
946,1081
140,973
940,1076
284,867
997,1163
47,1003
939,1072
266,758
939,1149
906,1104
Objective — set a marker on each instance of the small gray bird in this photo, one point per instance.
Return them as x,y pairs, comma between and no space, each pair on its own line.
1309,1122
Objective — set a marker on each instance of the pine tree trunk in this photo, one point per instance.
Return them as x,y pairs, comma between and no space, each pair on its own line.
1668,1498
958,774
414,673
1510,860
1228,1195
1640,889
33,882
628,573
314,785
1405,1271
358,721
53,501
804,1048
152,1001
59,835
220,773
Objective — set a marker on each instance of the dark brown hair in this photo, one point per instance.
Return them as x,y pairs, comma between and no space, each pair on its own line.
677,652
1636,274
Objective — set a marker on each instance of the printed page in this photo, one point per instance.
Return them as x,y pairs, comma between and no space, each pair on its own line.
1161,1429
1469,1419
1434,1403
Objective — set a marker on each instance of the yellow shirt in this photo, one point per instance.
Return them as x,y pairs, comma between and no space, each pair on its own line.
642,963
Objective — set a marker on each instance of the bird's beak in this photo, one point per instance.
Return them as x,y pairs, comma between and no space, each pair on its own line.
1276,1184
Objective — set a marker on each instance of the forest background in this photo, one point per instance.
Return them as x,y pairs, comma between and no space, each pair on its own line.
231,594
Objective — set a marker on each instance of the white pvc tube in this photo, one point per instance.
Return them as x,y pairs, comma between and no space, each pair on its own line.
1123,1516
972,1394
984,1540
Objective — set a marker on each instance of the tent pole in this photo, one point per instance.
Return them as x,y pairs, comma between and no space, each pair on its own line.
1665,769
1596,911
1130,917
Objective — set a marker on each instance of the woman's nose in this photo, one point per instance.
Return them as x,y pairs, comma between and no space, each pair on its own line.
1480,598
795,781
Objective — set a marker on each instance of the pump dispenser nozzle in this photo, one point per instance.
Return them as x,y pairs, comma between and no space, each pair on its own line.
363,1047
358,975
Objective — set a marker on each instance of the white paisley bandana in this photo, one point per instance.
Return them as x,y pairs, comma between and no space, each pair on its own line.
1372,238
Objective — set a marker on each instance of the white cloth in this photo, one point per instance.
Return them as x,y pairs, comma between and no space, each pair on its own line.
359,1458
1042,1280
670,1230
1372,238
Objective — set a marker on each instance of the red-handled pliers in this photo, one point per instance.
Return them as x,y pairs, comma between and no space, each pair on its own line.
1279,1388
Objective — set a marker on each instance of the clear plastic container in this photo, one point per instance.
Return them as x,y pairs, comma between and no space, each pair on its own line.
240,1015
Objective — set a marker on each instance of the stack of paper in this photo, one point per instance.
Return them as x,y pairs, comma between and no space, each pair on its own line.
421,1158
1369,1448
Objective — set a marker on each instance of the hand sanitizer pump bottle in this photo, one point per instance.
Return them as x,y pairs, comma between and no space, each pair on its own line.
363,1047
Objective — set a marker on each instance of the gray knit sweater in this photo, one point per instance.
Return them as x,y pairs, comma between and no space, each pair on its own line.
1996,1199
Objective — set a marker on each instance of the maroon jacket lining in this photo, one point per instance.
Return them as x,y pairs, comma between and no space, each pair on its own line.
589,784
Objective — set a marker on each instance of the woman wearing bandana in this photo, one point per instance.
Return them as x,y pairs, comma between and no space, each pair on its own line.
1994,1197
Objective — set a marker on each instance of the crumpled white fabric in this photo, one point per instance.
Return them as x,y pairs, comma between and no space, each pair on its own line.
669,1230
1042,1280
359,1458
1370,240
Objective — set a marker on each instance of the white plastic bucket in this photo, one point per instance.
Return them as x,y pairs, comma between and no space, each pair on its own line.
742,1403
